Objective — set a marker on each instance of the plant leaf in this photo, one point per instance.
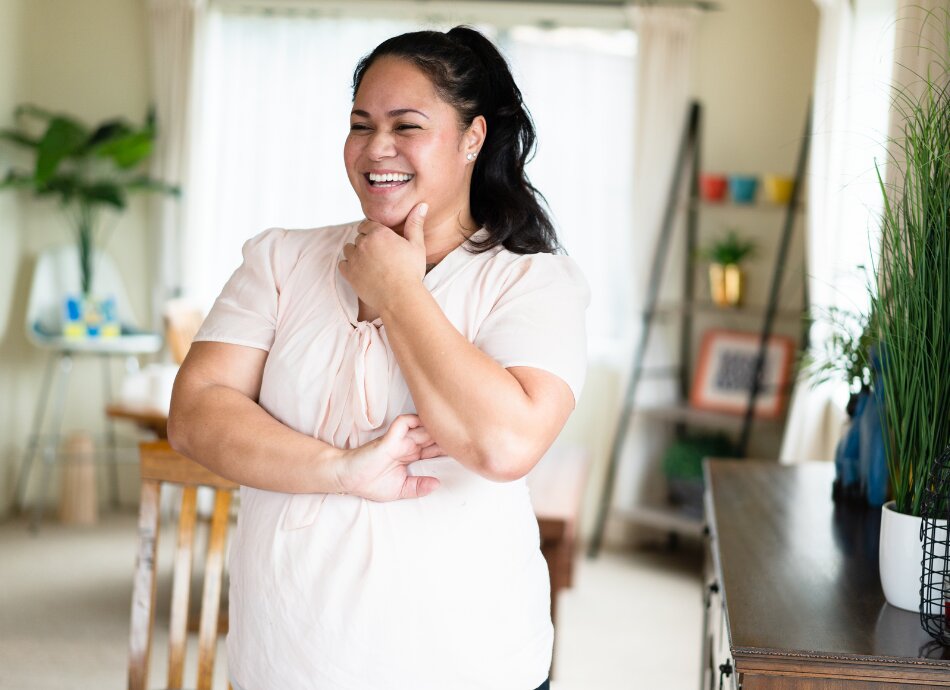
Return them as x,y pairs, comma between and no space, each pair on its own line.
20,138
16,179
147,184
107,132
30,110
107,193
129,150
62,139
65,185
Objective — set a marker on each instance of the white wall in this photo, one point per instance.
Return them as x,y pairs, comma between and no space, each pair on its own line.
86,58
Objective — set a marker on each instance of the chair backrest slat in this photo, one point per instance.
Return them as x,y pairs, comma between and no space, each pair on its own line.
211,597
181,586
160,464
143,588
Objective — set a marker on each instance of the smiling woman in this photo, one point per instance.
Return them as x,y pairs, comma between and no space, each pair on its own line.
336,374
406,145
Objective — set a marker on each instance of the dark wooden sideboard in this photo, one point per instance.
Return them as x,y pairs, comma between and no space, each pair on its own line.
793,596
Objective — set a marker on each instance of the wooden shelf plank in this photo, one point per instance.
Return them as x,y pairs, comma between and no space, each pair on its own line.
663,517
755,312
689,415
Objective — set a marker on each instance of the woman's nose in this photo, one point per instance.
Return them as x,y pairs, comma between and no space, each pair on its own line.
381,145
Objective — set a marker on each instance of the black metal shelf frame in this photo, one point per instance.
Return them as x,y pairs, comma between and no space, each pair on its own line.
688,163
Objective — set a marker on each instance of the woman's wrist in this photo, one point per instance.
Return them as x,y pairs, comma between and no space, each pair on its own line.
332,475
401,298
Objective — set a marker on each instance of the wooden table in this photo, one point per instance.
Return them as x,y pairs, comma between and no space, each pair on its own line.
150,418
799,602
557,485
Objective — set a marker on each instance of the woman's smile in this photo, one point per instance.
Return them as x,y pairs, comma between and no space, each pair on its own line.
405,146
387,181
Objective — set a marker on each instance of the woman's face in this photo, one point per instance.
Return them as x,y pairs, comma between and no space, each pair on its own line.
405,147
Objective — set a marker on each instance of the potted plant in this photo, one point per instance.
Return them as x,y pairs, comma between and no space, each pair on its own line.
912,307
725,273
88,170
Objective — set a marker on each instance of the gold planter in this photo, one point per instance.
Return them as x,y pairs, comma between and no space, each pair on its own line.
726,284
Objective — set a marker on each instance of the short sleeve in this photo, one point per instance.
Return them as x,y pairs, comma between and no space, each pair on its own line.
539,319
245,313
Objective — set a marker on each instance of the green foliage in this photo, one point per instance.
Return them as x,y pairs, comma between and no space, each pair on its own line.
729,249
684,457
846,353
913,300
86,169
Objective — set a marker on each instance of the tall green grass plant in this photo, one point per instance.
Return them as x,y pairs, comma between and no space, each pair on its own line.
912,299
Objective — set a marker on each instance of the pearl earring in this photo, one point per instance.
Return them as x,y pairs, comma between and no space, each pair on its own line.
470,156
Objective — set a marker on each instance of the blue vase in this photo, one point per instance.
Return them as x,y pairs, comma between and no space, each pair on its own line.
874,475
847,454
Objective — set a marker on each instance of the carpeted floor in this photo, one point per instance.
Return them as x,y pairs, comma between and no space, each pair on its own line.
631,621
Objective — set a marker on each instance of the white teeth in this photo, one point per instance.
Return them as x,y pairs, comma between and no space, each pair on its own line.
389,177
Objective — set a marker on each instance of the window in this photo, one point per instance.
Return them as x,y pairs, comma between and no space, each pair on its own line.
273,97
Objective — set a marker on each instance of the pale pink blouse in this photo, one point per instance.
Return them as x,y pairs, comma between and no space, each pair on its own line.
446,592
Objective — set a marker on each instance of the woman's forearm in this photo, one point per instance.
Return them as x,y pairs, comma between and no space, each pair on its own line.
233,436
475,409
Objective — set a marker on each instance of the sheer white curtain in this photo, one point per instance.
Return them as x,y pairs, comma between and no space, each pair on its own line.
920,47
849,111
574,83
273,102
175,29
662,88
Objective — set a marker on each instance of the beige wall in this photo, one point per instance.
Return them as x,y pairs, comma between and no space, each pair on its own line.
87,58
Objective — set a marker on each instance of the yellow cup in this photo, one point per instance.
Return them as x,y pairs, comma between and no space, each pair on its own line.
778,188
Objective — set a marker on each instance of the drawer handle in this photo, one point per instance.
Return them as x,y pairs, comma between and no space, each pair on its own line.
725,670
713,588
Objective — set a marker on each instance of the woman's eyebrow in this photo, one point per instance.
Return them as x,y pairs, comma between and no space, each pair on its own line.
391,113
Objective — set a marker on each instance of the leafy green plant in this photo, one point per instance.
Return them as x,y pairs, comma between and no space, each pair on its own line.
912,299
729,249
846,352
88,169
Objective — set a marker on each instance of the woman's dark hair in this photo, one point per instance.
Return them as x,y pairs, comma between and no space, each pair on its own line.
471,75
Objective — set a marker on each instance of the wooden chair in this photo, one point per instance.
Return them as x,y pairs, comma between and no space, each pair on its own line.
162,465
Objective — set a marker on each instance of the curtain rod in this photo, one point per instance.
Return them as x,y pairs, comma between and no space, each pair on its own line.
605,8
704,5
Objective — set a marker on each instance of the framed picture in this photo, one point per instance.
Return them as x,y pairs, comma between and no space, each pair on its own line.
726,366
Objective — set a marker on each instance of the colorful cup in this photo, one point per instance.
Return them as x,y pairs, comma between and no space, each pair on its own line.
712,187
742,188
778,188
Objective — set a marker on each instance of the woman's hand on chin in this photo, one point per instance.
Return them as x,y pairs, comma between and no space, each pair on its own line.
379,470
380,262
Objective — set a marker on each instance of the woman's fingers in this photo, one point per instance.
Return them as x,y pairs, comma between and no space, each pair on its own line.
431,451
417,487
401,426
420,436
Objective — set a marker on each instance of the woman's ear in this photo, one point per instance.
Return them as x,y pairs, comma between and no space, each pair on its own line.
474,136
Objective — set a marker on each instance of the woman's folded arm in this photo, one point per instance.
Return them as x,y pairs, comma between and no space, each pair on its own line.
496,421
215,419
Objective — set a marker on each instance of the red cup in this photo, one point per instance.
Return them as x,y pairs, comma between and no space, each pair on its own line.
712,186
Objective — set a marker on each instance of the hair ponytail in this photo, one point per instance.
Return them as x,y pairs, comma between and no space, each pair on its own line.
470,74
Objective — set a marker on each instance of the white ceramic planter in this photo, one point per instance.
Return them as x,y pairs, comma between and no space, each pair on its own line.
901,556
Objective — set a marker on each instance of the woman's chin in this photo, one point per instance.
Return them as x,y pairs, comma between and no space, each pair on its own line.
390,217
